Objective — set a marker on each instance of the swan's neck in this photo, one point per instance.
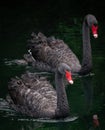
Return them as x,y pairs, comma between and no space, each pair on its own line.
87,58
62,102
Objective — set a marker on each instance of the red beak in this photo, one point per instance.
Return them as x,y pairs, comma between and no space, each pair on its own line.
69,77
94,31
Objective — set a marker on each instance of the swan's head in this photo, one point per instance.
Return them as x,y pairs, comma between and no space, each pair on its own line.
93,24
65,70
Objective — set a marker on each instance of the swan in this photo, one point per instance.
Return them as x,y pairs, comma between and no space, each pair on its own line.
49,52
34,96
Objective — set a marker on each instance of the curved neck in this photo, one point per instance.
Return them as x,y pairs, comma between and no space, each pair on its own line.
87,57
62,102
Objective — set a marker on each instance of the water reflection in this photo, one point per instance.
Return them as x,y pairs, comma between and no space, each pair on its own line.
88,92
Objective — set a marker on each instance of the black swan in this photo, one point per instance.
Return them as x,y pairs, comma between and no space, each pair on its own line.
34,96
49,52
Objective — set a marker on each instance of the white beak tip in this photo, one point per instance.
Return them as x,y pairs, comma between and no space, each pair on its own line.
95,116
71,82
95,35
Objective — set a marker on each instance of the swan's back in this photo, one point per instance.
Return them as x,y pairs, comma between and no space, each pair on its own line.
52,52
32,95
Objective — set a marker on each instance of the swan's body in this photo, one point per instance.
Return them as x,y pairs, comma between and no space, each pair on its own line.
50,52
35,96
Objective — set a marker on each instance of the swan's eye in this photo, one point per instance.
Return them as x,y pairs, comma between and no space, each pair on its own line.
95,24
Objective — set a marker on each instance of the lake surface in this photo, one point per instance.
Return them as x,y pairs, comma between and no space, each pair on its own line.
87,95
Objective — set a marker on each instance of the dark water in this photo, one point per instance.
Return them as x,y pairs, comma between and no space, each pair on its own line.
87,95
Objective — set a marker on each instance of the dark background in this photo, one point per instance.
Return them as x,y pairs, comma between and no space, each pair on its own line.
53,7
49,11
21,17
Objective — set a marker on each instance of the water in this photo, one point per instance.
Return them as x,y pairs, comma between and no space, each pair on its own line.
87,95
